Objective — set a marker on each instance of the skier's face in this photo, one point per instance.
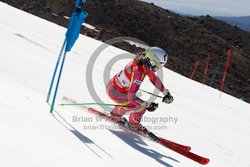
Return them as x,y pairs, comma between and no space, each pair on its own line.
152,66
154,69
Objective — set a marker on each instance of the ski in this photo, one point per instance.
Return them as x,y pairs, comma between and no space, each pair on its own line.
168,143
195,157
181,149
178,148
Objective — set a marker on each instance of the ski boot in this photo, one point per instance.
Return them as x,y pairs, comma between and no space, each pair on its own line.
139,128
153,137
122,121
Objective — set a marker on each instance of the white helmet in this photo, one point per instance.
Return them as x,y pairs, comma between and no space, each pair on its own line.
156,57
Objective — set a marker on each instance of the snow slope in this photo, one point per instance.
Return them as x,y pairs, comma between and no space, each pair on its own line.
31,136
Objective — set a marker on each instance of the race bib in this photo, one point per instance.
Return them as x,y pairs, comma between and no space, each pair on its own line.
123,79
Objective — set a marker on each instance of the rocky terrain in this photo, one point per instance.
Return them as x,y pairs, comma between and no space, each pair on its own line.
186,39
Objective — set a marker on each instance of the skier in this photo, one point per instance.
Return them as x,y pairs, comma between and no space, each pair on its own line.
123,86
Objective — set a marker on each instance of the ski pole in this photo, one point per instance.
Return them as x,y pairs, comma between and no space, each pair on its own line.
151,93
88,104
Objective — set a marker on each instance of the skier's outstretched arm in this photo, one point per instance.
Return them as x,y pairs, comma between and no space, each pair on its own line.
168,98
156,81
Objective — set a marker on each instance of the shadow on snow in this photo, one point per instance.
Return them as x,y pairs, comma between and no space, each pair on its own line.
137,143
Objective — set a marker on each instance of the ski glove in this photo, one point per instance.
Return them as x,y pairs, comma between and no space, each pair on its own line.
168,98
152,106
